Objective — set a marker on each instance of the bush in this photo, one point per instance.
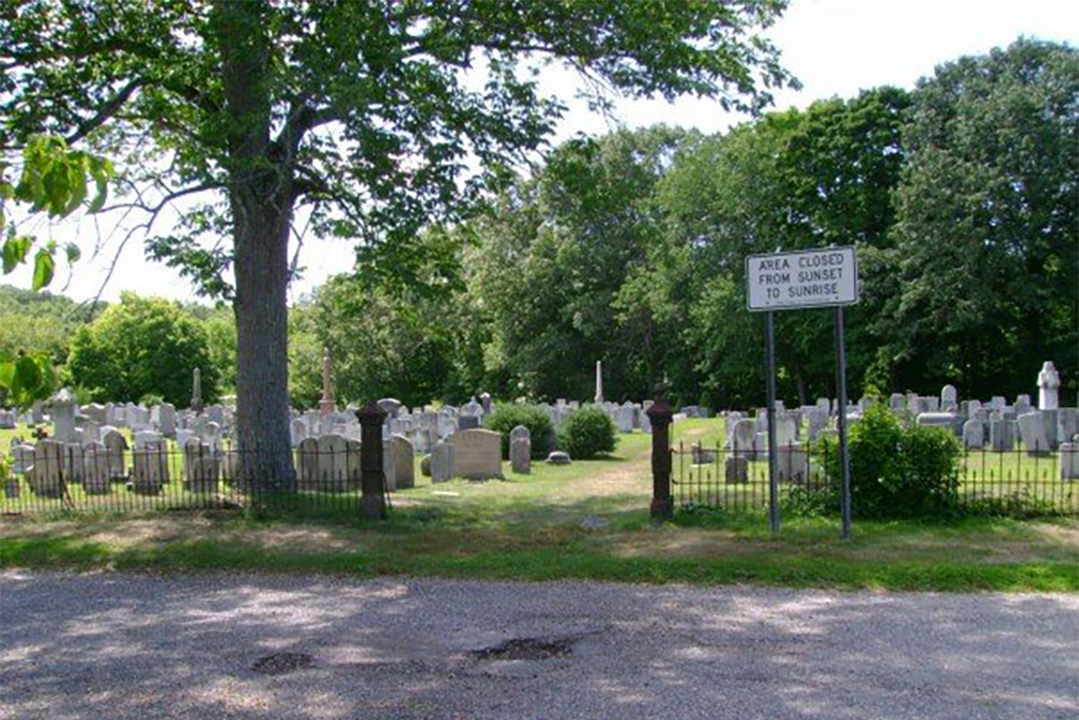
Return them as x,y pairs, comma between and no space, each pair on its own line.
895,471
586,433
536,419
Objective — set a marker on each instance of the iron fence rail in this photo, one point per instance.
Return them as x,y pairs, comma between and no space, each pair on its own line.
987,480
143,480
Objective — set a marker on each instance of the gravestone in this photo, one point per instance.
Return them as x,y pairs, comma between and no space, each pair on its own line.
332,464
736,470
1067,423
47,479
1032,432
297,432
150,467
623,418
22,459
1022,405
1069,461
743,433
949,398
785,430
468,422
7,420
558,457
97,477
115,447
202,466
973,435
939,419
896,401
477,454
442,462
307,464
425,466
404,462
63,417
792,462
521,450
91,432
1002,435
166,419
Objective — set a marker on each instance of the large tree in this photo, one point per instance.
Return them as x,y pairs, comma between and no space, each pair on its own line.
986,228
363,113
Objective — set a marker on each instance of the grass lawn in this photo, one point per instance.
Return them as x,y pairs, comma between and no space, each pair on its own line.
588,520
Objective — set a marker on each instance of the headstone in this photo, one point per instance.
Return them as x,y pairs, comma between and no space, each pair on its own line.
307,465
97,476
896,402
485,401
1048,387
297,432
785,430
150,467
115,447
521,456
468,422
973,435
1022,405
1067,423
1032,432
22,459
47,479
332,464
736,469
425,466
202,466
520,450
1002,435
63,417
391,406
1069,461
949,398
939,419
477,454
623,419
792,462
442,462
742,435
91,432
558,457
7,420
404,462
166,419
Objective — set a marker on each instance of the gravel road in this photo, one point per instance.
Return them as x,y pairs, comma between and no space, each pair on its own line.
114,646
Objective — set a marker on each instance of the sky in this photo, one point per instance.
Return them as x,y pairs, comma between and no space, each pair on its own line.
834,47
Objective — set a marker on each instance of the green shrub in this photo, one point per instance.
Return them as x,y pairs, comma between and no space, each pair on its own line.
895,471
586,433
536,419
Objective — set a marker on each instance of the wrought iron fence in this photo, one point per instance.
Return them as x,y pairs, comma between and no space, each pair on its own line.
57,477
988,481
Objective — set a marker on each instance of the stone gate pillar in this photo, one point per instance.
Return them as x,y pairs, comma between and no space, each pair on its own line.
372,479
661,415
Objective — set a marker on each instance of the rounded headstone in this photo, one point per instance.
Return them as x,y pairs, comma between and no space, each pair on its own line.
558,457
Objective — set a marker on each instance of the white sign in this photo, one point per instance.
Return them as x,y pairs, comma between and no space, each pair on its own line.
803,279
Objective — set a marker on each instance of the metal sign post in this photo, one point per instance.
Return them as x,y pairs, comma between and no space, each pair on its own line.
841,420
791,281
773,460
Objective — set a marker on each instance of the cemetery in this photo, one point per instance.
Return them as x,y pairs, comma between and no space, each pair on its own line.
1013,457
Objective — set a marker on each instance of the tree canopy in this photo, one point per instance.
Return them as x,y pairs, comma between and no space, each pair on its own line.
359,113
142,348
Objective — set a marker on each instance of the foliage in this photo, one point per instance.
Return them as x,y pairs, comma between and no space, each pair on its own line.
5,467
896,471
25,378
985,232
359,112
53,181
586,433
142,346
506,417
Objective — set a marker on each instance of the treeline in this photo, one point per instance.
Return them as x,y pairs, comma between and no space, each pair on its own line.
961,197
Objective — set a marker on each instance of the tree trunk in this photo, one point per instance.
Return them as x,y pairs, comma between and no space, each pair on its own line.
261,308
260,198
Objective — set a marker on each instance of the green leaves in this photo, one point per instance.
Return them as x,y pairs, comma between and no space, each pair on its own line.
44,269
26,379
15,250
54,181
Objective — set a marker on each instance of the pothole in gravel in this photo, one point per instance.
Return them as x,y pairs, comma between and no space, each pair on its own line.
528,649
282,663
